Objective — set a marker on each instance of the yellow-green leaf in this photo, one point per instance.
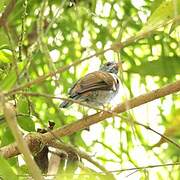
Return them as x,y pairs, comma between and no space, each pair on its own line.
165,12
5,56
9,81
6,172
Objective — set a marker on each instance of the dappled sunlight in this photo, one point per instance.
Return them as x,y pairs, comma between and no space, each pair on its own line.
114,121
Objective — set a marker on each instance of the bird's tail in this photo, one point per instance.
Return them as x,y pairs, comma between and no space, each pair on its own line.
65,104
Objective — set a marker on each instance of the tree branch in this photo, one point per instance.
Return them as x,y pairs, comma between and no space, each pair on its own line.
146,167
95,118
137,101
113,113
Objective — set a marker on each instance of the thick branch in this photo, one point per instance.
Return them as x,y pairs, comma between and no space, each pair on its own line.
9,151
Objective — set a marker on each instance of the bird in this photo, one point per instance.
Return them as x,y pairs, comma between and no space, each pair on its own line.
96,88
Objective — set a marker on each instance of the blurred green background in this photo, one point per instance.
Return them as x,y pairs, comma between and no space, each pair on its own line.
42,36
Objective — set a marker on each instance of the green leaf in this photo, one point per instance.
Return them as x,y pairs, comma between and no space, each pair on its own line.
4,42
9,81
165,12
22,105
78,139
6,172
6,137
166,66
155,5
5,56
26,123
3,4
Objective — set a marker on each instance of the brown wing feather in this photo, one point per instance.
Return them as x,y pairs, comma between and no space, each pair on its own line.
97,80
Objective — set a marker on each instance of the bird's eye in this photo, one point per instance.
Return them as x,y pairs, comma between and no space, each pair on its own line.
109,63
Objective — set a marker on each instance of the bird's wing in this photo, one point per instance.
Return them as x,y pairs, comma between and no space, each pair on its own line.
97,80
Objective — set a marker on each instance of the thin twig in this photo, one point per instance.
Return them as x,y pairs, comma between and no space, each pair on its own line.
43,46
109,148
147,167
120,170
23,18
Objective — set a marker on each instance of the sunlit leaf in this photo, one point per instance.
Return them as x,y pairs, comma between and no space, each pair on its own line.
155,4
6,171
5,56
165,12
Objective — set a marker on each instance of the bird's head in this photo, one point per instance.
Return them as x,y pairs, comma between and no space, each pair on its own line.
111,67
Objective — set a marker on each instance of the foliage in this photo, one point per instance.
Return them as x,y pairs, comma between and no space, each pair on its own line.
39,37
